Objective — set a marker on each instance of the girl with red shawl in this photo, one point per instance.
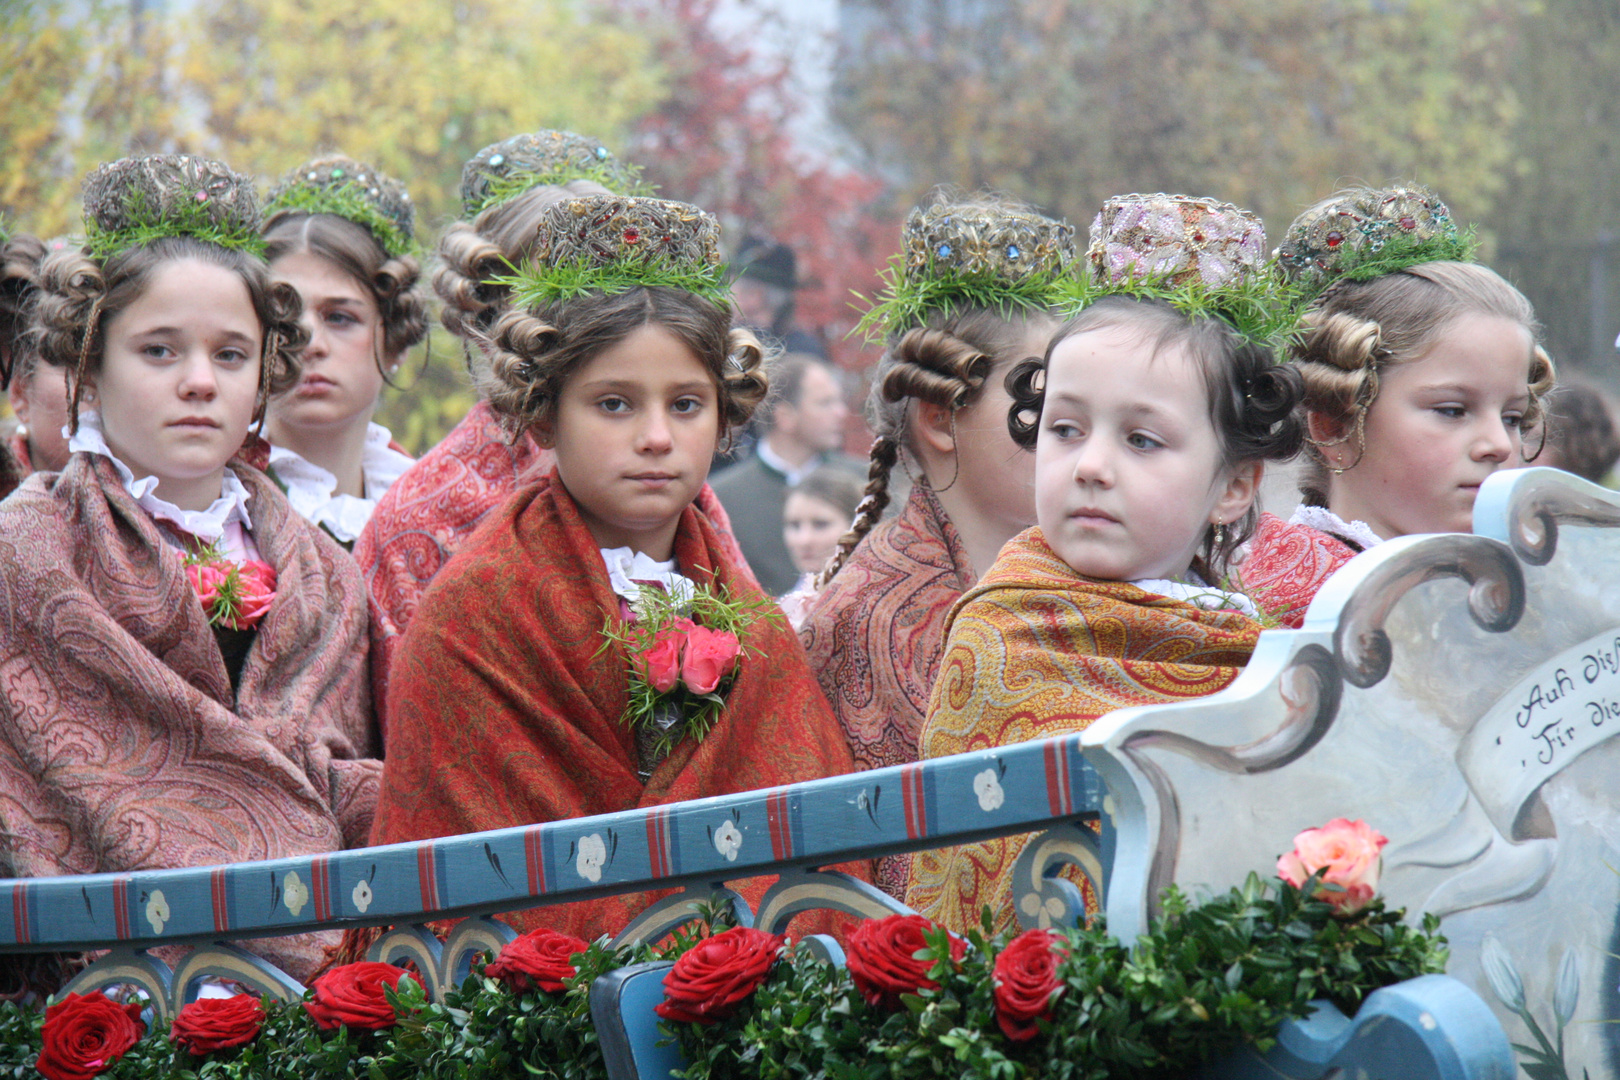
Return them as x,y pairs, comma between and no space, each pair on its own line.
430,511
184,654
1151,417
511,695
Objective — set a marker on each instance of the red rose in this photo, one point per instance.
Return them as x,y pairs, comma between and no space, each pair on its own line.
84,1034
210,1024
1026,982
661,662
539,959
255,592
883,958
710,982
710,656
352,996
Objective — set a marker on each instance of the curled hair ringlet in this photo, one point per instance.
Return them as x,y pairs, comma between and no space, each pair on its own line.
19,278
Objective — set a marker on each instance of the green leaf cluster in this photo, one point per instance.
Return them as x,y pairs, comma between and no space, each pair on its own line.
906,299
346,201
538,286
1261,307
1206,980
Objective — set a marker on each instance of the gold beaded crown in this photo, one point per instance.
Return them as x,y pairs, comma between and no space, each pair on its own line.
507,169
613,243
1205,257
957,254
136,200
1363,233
349,189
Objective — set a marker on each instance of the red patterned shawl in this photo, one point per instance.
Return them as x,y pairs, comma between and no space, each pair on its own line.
876,634
1036,650
507,711
122,747
428,514
1286,564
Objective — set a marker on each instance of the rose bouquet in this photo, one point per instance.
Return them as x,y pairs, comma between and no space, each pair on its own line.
235,595
682,652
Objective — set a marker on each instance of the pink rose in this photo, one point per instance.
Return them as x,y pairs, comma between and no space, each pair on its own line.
255,592
710,656
1347,853
206,579
661,662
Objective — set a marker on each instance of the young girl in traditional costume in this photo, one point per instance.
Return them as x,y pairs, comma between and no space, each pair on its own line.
194,650
1422,370
819,510
972,296
511,696
441,500
1151,416
341,233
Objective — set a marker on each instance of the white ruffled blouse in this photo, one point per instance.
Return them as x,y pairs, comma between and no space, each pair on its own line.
312,490
1322,519
225,522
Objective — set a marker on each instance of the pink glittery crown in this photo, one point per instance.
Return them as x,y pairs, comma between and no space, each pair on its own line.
1175,239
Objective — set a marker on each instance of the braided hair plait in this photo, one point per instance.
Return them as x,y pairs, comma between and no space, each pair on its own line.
875,499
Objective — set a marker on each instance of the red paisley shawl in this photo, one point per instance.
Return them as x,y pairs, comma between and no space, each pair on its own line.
122,747
430,511
876,634
507,711
1285,566
1036,650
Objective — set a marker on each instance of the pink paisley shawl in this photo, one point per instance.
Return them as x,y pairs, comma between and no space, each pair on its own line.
428,514
876,633
1285,566
122,747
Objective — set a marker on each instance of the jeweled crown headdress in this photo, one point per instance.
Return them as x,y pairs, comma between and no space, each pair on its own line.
349,189
1363,233
136,200
505,170
1205,257
612,243
958,254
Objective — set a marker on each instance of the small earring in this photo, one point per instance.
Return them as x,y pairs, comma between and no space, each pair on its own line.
1220,535
22,432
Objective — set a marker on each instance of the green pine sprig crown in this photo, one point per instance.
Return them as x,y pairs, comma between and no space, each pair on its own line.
137,200
1204,257
354,191
967,254
608,244
1363,233
502,171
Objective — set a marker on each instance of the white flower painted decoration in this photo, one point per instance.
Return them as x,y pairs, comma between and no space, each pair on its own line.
728,840
987,786
592,857
1045,913
294,893
362,895
157,910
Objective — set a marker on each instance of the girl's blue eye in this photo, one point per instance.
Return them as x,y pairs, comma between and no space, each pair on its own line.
1451,412
1513,420
1138,441
155,351
341,318
233,356
1064,430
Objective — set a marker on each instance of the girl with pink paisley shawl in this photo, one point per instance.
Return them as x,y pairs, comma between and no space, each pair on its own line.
876,631
431,510
139,730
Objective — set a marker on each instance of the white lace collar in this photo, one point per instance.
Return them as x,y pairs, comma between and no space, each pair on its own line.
311,489
226,520
628,570
1322,519
1199,595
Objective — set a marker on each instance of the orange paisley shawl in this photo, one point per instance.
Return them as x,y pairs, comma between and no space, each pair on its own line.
1036,650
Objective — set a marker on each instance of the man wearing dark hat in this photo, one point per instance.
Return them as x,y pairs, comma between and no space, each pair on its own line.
763,290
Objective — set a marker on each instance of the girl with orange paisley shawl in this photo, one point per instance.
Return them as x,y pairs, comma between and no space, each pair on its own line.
508,698
1150,427
144,723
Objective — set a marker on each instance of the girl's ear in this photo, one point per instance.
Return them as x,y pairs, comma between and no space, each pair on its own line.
1329,437
934,427
544,432
1238,494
